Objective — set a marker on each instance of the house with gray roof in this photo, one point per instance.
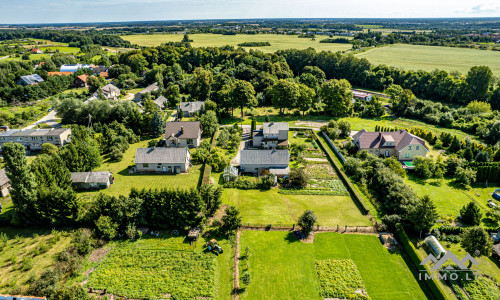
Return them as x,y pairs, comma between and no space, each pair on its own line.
30,80
183,134
4,183
92,180
162,160
401,144
33,139
190,108
160,102
275,161
272,135
150,88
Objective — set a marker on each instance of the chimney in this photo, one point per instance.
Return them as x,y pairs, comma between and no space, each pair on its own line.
182,129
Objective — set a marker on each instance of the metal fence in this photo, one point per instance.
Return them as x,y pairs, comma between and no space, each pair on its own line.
341,157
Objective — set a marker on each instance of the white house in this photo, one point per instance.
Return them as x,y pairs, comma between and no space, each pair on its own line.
162,160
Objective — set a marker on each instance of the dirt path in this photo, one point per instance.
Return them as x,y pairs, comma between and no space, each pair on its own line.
236,269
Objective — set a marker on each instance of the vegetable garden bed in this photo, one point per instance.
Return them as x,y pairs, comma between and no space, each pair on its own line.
340,278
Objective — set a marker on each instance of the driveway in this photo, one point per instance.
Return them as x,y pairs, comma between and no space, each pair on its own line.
245,143
49,119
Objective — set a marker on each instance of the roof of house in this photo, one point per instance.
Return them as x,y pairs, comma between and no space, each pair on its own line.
35,132
183,130
35,50
109,88
32,79
104,74
3,177
59,73
161,155
83,77
149,88
264,157
90,177
191,106
160,100
401,138
274,127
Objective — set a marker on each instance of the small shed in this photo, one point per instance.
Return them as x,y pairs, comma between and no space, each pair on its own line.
193,234
92,180
435,246
230,174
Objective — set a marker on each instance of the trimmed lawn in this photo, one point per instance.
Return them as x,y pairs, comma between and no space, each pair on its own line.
284,268
125,181
270,207
61,49
278,42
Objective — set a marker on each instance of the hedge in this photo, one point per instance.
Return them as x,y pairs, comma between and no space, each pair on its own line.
433,285
343,176
207,169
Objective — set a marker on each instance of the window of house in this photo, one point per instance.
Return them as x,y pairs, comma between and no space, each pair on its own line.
256,169
158,166
145,165
407,155
418,147
409,147
190,141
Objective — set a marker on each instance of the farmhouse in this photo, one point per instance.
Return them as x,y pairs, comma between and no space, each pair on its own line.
362,95
160,102
33,139
109,91
30,80
190,108
151,88
4,183
403,145
272,135
92,180
182,134
81,81
163,160
36,51
275,161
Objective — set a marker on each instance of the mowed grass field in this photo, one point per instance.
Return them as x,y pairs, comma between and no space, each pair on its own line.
278,42
284,268
270,207
428,58
124,181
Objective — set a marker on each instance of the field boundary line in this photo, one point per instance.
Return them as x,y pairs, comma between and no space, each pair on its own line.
236,269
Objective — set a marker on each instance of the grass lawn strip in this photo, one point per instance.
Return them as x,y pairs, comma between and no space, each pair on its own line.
340,279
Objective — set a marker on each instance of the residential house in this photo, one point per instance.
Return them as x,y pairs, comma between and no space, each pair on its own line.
97,70
163,160
160,102
275,161
36,51
59,73
33,139
151,88
401,144
75,67
104,74
109,91
30,80
4,183
362,95
183,134
190,108
81,80
92,180
272,135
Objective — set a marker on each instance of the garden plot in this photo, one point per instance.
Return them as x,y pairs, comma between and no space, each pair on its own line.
340,279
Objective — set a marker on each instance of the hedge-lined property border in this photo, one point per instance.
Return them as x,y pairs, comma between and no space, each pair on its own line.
343,176
434,287
207,169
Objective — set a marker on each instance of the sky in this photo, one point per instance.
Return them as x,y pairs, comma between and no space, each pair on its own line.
74,11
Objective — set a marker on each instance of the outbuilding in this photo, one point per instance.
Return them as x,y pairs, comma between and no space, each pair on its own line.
92,180
437,250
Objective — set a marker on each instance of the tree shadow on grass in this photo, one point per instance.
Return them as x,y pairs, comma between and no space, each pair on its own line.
290,238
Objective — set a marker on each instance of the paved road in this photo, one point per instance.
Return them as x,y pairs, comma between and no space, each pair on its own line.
49,119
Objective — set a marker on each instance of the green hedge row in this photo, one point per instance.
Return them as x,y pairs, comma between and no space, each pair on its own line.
433,285
207,169
343,176
312,192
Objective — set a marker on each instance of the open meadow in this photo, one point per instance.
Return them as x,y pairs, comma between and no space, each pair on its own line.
428,58
278,42
283,267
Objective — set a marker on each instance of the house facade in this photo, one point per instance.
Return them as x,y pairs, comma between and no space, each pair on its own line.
272,135
81,81
275,161
190,108
401,144
182,134
33,139
4,183
109,91
92,180
162,160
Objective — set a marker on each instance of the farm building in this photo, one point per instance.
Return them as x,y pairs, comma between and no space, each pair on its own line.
30,80
230,174
150,88
190,108
4,183
92,180
275,161
36,51
74,68
162,160
435,246
183,134
362,95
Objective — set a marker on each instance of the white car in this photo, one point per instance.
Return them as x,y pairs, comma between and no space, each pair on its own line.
491,203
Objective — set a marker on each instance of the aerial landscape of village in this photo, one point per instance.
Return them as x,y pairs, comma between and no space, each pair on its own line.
250,149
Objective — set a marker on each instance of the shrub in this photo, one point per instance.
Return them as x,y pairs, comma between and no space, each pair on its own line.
471,214
299,178
307,221
246,278
232,219
27,263
106,228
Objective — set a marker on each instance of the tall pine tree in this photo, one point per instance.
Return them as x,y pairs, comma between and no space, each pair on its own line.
157,125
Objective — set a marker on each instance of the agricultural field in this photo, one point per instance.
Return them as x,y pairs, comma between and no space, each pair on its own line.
125,181
428,58
278,42
153,267
260,207
282,267
27,253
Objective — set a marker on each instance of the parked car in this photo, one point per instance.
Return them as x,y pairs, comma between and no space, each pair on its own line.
491,203
495,237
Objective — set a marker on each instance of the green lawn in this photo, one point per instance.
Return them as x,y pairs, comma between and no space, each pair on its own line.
125,181
62,49
270,207
428,58
284,268
144,274
278,42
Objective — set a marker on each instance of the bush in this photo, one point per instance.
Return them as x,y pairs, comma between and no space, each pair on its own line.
471,214
299,178
106,228
115,155
246,278
27,263
307,221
